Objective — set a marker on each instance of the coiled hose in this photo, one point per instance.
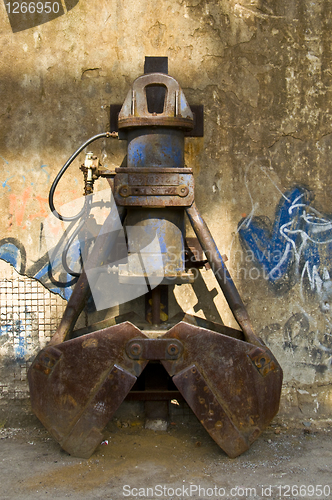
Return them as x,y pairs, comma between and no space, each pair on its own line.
87,202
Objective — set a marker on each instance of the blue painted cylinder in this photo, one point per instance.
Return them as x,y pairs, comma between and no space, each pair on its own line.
158,147
155,147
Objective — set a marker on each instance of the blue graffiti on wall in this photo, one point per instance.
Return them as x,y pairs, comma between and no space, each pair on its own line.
15,329
297,247
13,252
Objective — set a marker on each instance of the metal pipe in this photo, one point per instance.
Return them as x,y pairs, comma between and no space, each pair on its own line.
99,253
222,274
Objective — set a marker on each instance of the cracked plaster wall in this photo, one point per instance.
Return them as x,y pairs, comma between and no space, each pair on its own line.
262,70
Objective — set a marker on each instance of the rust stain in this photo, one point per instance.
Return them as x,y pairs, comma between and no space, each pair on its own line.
90,343
67,398
193,148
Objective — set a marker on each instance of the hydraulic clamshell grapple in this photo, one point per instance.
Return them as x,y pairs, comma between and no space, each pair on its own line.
228,377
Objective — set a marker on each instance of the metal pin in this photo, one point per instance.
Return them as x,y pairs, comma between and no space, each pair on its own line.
133,102
176,103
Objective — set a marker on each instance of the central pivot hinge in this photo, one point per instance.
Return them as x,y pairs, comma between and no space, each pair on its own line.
154,349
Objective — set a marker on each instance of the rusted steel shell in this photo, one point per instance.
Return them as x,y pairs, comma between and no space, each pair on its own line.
232,386
225,385
76,386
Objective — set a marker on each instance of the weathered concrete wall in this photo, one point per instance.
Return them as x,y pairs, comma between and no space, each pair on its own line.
263,175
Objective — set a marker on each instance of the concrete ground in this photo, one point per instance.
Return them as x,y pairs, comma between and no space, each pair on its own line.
290,460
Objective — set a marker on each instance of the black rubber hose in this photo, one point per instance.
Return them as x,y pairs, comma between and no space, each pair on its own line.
62,171
66,249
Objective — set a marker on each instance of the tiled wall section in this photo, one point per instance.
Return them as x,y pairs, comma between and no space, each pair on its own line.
29,315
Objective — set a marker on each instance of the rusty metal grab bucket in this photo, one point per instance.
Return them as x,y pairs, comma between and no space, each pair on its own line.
228,377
